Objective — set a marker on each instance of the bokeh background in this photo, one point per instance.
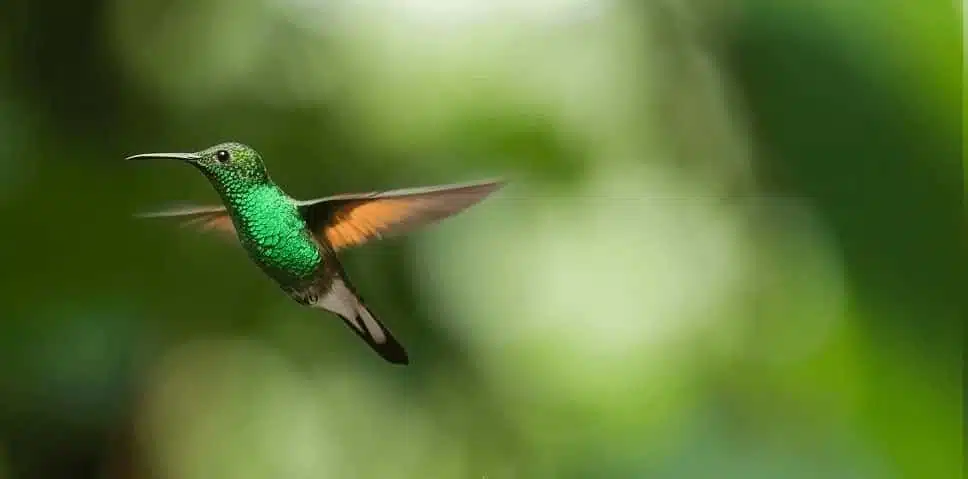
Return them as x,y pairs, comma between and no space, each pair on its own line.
730,246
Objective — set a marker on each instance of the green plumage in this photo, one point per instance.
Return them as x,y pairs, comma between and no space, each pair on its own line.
275,235
295,242
267,221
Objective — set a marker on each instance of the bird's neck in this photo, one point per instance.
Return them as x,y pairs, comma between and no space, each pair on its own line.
237,191
243,198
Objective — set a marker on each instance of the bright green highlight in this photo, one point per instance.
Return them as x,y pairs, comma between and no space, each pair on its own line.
274,234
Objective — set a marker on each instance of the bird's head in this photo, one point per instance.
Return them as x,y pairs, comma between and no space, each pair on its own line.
225,163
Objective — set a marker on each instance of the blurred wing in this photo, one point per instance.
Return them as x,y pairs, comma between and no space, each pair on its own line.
202,218
351,220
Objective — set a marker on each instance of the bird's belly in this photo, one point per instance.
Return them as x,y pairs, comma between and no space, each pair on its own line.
290,259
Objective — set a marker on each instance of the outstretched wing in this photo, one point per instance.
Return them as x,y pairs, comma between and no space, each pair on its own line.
202,218
350,220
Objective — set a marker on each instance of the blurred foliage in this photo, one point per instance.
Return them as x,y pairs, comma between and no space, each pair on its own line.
731,246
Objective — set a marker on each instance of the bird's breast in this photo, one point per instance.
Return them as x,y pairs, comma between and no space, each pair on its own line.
275,236
287,256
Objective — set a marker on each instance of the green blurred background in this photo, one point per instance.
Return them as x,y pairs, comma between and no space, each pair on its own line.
730,247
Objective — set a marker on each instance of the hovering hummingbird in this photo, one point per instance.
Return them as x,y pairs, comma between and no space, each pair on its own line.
296,242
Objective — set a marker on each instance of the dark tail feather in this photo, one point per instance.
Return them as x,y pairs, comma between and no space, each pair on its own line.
343,300
374,333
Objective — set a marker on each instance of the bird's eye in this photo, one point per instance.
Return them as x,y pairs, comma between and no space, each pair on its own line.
222,156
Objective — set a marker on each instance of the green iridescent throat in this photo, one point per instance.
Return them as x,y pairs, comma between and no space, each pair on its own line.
269,226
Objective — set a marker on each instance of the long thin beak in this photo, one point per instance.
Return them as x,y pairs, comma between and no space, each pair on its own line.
166,156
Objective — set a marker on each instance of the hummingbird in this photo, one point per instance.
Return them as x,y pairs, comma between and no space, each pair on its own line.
295,242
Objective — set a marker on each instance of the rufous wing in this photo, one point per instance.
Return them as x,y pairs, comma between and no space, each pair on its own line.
202,218
350,220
